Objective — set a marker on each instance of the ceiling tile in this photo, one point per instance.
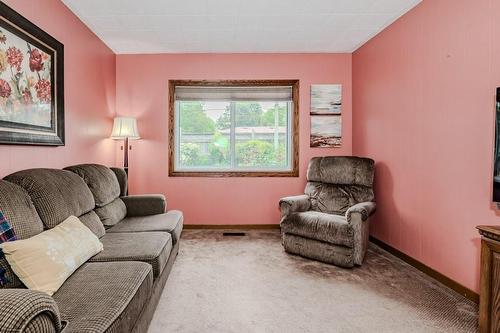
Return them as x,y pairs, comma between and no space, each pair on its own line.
172,26
392,6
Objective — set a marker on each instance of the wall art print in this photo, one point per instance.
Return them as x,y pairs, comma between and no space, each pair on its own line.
326,115
31,83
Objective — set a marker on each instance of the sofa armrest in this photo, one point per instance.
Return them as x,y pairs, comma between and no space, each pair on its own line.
365,209
298,203
148,204
22,309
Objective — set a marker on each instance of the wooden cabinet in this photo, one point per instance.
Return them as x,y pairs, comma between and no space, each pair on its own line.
489,307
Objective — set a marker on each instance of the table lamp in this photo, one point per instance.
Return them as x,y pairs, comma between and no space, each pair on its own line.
125,128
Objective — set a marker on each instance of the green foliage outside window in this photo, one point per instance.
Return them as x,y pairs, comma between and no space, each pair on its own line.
250,153
256,153
190,154
268,118
194,119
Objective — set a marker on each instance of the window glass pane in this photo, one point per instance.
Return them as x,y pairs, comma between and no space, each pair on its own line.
261,135
203,143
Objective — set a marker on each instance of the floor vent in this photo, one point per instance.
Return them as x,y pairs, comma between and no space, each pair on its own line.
234,233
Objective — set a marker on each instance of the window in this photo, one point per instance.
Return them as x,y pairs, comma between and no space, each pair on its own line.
233,128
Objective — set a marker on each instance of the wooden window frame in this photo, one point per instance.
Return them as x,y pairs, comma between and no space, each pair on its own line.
294,172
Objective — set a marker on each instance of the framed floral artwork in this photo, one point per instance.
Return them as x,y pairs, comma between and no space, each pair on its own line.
31,83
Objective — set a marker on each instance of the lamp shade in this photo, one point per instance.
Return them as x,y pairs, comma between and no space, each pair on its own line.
125,127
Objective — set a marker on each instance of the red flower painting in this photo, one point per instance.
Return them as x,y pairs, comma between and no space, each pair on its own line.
27,98
43,90
25,82
5,89
31,82
14,57
36,61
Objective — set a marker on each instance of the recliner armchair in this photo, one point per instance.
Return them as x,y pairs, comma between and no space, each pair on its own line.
330,222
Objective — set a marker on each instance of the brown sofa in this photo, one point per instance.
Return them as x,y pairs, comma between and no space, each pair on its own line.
115,291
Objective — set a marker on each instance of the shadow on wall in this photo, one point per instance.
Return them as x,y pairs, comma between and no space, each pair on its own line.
388,221
387,213
495,207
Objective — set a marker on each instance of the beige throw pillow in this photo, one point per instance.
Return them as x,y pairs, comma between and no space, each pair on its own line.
43,262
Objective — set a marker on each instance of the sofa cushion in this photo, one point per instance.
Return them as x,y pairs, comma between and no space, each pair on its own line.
92,221
328,228
171,222
336,199
113,298
341,170
112,213
16,206
56,194
101,181
151,247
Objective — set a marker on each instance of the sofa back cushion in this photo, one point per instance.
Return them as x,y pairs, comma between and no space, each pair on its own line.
17,208
93,222
101,181
56,194
121,175
106,189
336,183
112,213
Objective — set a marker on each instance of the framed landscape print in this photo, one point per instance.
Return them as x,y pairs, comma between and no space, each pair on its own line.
326,115
31,83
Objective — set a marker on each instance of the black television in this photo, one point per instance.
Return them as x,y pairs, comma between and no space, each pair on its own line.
496,166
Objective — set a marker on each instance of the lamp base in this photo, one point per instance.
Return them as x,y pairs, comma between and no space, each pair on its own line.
126,178
125,160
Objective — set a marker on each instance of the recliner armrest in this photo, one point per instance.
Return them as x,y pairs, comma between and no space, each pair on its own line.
147,204
365,209
23,308
298,203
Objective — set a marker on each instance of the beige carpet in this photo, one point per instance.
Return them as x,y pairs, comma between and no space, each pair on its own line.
249,284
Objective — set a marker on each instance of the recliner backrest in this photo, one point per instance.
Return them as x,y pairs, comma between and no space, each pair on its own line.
335,183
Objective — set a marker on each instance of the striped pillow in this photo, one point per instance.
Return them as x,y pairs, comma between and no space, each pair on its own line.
7,234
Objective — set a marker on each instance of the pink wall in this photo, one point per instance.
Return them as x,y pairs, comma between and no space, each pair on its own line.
142,82
424,110
89,92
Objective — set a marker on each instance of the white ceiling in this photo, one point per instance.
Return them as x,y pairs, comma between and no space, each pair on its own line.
237,26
